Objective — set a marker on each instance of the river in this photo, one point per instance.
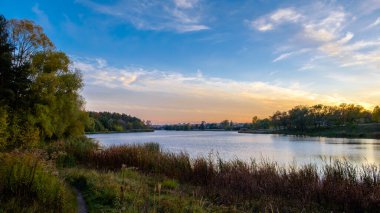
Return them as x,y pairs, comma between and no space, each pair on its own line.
229,145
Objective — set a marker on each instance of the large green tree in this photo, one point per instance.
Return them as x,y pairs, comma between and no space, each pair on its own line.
39,91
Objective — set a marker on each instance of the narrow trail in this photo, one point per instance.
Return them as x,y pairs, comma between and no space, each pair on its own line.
82,207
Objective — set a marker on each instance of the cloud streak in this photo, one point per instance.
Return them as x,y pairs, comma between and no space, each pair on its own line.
178,15
280,16
374,24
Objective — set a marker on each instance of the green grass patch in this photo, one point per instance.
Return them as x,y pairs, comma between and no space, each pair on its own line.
129,191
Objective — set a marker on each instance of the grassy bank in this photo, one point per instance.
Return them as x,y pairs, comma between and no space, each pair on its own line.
354,131
142,178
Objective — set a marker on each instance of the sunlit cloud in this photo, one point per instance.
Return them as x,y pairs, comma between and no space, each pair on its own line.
278,17
326,29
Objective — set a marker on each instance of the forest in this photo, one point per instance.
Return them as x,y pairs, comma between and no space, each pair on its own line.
114,122
318,116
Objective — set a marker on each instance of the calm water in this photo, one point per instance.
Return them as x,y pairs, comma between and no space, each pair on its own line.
230,145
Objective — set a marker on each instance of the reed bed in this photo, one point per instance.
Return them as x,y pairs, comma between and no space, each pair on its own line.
336,186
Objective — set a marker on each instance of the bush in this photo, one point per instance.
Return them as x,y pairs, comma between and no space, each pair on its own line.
30,184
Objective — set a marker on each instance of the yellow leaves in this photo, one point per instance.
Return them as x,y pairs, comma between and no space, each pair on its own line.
27,38
27,30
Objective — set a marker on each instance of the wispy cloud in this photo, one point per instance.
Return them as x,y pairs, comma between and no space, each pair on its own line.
176,15
326,33
278,17
346,38
185,3
326,29
374,24
289,54
43,19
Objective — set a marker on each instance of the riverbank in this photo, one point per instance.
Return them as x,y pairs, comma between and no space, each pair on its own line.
143,178
258,186
370,131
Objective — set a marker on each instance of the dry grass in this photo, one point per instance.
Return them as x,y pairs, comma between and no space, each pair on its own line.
337,186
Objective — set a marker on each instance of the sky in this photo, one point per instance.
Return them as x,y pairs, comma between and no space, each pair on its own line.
174,61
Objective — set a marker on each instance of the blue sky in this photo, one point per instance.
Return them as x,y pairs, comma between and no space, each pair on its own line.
192,60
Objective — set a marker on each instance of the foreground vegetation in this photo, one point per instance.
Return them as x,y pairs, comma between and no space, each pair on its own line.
142,178
130,191
28,183
39,105
337,186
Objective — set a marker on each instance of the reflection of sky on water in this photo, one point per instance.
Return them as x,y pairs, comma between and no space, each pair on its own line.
230,145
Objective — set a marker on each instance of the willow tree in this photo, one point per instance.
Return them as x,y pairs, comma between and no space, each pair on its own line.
57,104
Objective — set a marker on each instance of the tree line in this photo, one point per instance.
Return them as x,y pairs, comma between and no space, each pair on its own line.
302,118
223,125
111,121
299,118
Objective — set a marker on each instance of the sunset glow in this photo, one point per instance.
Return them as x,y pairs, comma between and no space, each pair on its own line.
196,60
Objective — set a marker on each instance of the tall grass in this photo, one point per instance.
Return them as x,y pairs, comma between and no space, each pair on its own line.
337,186
70,152
147,158
30,184
130,191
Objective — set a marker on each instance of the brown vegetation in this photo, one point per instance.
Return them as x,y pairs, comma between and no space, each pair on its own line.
337,186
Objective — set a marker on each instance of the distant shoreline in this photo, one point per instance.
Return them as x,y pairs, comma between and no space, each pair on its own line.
361,131
129,131
198,130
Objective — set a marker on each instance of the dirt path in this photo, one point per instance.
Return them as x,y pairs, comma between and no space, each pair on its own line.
82,207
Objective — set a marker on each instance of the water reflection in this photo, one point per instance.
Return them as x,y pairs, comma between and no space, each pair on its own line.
230,145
